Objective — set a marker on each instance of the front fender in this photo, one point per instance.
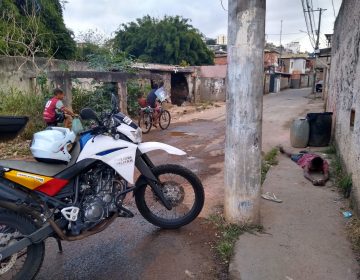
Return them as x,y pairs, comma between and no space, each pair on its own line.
151,146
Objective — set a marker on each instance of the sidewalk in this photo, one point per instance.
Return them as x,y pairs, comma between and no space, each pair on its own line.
304,236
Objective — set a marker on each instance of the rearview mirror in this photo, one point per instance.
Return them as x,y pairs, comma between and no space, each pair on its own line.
88,114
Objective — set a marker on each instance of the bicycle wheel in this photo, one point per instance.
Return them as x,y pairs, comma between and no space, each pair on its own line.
164,119
145,122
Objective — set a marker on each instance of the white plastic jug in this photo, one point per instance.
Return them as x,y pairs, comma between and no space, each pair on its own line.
299,133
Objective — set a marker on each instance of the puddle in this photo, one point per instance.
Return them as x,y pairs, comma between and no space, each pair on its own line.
181,133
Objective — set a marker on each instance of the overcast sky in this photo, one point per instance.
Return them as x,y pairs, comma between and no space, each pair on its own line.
206,15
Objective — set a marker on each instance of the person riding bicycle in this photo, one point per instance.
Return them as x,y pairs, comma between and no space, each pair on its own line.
55,112
152,101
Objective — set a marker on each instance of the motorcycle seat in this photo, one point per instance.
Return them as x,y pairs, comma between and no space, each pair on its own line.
41,168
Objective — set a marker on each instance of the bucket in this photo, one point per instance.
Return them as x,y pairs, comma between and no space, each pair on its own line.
320,129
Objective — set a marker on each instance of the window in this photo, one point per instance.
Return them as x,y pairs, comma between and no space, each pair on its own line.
352,119
291,65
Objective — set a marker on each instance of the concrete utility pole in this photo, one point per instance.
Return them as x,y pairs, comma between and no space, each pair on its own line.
246,39
317,50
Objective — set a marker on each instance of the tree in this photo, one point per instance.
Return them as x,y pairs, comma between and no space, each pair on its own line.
91,43
210,41
170,40
34,28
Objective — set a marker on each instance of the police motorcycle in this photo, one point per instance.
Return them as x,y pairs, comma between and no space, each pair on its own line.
72,193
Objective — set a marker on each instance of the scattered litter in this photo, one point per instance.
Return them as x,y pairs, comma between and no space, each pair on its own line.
347,214
191,157
271,197
289,278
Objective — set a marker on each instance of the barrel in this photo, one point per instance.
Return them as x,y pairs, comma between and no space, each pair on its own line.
320,129
299,133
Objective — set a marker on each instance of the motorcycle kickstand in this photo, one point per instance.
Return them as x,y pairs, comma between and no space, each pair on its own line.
59,245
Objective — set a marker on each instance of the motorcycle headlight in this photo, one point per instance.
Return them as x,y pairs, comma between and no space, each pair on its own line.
137,135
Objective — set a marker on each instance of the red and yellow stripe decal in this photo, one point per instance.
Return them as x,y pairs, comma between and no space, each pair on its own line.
48,185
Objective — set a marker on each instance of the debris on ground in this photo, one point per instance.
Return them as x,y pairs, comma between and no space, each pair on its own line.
271,197
347,214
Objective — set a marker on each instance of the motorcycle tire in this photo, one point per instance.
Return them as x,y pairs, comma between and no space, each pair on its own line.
145,193
14,222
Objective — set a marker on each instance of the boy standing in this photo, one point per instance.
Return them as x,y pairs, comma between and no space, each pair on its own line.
55,112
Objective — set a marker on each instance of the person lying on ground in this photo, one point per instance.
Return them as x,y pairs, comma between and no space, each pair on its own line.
310,163
55,112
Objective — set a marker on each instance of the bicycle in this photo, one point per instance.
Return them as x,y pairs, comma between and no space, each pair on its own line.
146,117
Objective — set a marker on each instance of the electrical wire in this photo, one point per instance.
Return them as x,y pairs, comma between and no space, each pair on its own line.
222,5
333,6
312,41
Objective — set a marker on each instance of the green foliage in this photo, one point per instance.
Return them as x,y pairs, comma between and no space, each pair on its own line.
170,40
211,41
29,28
342,179
228,234
269,160
91,43
99,99
17,103
109,61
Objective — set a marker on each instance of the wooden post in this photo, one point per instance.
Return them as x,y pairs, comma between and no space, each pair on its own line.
122,93
246,38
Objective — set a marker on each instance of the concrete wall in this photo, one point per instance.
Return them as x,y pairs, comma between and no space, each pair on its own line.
16,72
210,83
344,90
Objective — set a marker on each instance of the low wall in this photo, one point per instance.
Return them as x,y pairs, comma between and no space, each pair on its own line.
211,83
21,73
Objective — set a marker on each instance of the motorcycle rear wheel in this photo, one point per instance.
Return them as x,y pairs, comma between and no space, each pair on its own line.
30,259
179,185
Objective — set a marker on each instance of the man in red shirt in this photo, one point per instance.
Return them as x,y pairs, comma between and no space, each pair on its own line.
310,163
55,112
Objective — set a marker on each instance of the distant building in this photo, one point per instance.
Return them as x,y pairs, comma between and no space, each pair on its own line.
221,40
293,47
295,63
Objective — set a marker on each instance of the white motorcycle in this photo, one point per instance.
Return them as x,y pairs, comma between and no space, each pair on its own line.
70,195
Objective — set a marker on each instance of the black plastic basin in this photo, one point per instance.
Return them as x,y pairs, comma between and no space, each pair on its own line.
10,127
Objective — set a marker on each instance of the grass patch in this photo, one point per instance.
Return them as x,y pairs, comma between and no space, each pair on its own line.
331,150
269,159
228,234
342,179
353,231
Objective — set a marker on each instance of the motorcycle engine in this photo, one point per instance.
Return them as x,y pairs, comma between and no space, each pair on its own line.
99,197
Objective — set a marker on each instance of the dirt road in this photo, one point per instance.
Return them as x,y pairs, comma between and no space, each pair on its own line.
134,249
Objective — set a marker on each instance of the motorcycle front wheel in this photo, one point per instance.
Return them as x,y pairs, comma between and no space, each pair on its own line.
181,187
26,263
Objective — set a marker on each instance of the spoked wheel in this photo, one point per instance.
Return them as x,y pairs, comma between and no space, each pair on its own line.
26,263
184,190
164,119
145,122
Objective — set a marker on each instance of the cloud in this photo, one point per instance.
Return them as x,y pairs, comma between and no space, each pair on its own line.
206,15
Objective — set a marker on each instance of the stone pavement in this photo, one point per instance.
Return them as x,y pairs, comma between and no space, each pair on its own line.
304,235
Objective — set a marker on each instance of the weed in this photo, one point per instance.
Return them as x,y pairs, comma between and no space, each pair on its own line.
353,231
342,180
228,234
269,159
331,150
